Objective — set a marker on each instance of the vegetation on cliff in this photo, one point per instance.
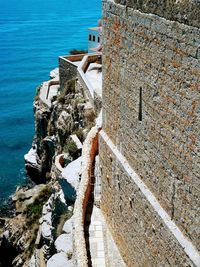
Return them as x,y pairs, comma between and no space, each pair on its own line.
17,245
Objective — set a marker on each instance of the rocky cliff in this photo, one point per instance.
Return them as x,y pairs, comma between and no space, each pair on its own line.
67,115
41,233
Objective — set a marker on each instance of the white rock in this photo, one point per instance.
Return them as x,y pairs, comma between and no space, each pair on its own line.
32,262
64,243
46,209
59,260
68,226
70,208
47,218
46,230
54,73
61,196
71,172
31,156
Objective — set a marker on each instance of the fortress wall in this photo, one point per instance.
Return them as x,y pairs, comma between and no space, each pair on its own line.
67,71
142,237
183,11
152,68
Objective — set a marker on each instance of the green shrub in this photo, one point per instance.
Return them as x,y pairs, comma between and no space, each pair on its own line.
72,149
34,210
70,88
90,117
69,255
80,135
61,99
79,100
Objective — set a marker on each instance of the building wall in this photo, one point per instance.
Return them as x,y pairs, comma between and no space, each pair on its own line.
93,39
160,58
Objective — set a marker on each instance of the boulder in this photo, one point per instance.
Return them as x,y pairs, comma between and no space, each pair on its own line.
31,156
46,230
23,198
71,174
59,260
32,164
23,195
52,210
68,226
46,220
64,243
65,125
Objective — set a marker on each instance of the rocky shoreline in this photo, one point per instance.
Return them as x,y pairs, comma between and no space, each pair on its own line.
37,223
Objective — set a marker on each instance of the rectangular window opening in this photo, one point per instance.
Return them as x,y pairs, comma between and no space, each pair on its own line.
140,105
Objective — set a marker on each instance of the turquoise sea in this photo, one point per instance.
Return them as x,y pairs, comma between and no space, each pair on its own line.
33,33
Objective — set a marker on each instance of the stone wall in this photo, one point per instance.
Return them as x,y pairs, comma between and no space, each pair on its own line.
183,11
67,71
143,237
151,108
85,89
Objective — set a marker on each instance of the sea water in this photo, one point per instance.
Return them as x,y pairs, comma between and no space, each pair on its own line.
33,33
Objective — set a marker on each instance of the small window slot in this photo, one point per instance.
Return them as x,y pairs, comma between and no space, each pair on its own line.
140,105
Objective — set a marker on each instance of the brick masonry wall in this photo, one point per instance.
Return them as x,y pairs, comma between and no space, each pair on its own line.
163,59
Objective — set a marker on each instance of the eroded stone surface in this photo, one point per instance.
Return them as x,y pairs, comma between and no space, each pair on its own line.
23,198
